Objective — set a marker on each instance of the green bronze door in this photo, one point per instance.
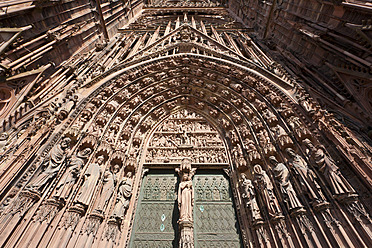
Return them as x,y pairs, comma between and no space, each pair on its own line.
215,223
156,217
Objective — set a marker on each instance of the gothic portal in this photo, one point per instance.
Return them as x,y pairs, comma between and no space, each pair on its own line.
179,132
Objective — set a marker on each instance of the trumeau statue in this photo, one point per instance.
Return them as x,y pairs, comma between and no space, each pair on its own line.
305,176
91,176
250,195
69,178
109,180
327,166
52,164
282,175
123,197
185,198
266,190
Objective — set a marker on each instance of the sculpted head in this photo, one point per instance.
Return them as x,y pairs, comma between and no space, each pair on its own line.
129,174
116,168
85,152
257,169
290,152
100,159
4,136
65,142
273,160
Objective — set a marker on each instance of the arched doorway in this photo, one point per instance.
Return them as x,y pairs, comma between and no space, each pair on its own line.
185,134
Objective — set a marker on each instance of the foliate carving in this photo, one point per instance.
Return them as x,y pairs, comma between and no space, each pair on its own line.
46,212
52,165
68,180
71,218
306,178
91,225
266,191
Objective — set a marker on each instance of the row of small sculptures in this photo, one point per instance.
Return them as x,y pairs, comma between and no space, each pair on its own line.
57,161
263,187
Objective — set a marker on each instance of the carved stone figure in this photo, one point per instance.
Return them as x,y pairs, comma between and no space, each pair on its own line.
68,179
298,127
305,176
326,165
282,176
306,105
281,136
185,198
91,176
123,197
52,164
265,142
108,185
253,154
270,117
250,195
266,190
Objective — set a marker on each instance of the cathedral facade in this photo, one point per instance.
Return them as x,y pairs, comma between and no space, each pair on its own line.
185,123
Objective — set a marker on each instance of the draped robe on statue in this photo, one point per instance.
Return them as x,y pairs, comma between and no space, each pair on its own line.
185,200
91,175
53,164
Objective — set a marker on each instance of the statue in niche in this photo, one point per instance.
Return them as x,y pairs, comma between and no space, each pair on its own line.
108,185
306,177
91,176
250,195
266,190
68,179
306,105
123,197
253,154
270,117
281,174
52,164
327,166
265,142
298,127
281,136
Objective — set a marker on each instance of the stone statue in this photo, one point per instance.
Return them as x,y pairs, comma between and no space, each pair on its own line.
91,176
281,136
68,179
108,185
326,165
266,190
282,175
250,195
52,164
185,198
305,176
123,197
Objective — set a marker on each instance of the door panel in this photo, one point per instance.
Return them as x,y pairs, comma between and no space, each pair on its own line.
157,214
215,223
